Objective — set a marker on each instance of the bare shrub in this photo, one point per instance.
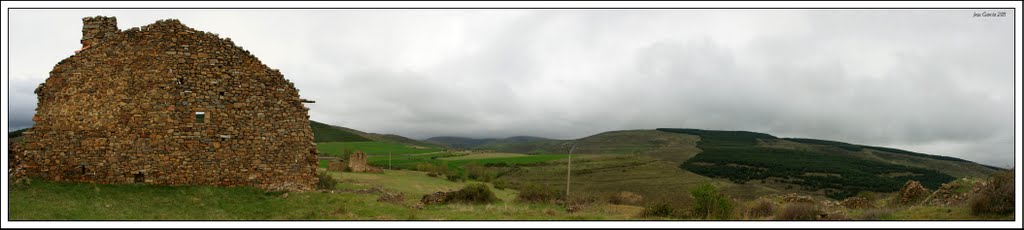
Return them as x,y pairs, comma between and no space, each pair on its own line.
477,172
579,201
798,211
501,184
535,193
473,193
326,181
876,214
665,208
763,208
834,216
996,196
625,198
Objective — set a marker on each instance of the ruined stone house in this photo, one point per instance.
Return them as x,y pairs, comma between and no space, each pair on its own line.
167,104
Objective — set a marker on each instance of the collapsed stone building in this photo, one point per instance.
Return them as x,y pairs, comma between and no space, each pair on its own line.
167,104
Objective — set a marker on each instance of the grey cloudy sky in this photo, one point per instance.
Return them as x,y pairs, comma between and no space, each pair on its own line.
935,81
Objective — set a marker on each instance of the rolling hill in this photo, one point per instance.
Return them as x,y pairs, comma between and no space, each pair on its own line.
830,168
512,144
330,133
327,133
16,133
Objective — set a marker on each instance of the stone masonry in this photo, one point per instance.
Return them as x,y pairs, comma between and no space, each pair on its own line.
357,162
167,104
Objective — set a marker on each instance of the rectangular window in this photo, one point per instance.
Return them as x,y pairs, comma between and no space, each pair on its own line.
200,117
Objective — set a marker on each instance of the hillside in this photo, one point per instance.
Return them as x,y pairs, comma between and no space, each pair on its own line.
459,142
836,169
521,144
830,168
330,133
327,133
16,133
679,145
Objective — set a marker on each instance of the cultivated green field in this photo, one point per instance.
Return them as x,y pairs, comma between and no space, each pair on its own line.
370,148
456,161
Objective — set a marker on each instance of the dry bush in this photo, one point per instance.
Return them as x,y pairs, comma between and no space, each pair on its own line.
798,211
473,193
625,198
501,184
875,214
835,216
580,201
326,181
763,208
535,193
996,196
478,172
658,209
665,205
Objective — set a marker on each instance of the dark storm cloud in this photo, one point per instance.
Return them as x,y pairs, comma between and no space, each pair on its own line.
935,81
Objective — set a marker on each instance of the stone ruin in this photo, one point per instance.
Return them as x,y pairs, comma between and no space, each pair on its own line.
793,197
856,203
911,193
167,104
955,192
357,163
337,166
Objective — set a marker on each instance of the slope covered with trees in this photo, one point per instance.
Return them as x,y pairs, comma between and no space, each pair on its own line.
735,155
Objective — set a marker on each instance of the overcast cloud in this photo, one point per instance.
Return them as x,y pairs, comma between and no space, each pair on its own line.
935,81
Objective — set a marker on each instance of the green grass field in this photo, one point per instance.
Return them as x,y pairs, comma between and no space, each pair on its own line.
510,160
368,147
413,184
44,200
455,161
407,161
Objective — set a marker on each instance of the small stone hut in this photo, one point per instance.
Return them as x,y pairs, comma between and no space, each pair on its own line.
167,104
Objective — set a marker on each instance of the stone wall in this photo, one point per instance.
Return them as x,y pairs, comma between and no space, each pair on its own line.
357,162
126,110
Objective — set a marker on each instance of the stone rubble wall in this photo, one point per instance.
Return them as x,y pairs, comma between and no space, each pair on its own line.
124,110
357,162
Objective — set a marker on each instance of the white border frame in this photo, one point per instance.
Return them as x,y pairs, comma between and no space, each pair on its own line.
529,224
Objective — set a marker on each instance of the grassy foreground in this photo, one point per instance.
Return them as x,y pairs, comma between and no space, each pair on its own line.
45,200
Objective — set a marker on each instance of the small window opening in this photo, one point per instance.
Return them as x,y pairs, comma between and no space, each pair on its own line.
140,177
222,93
200,117
83,168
